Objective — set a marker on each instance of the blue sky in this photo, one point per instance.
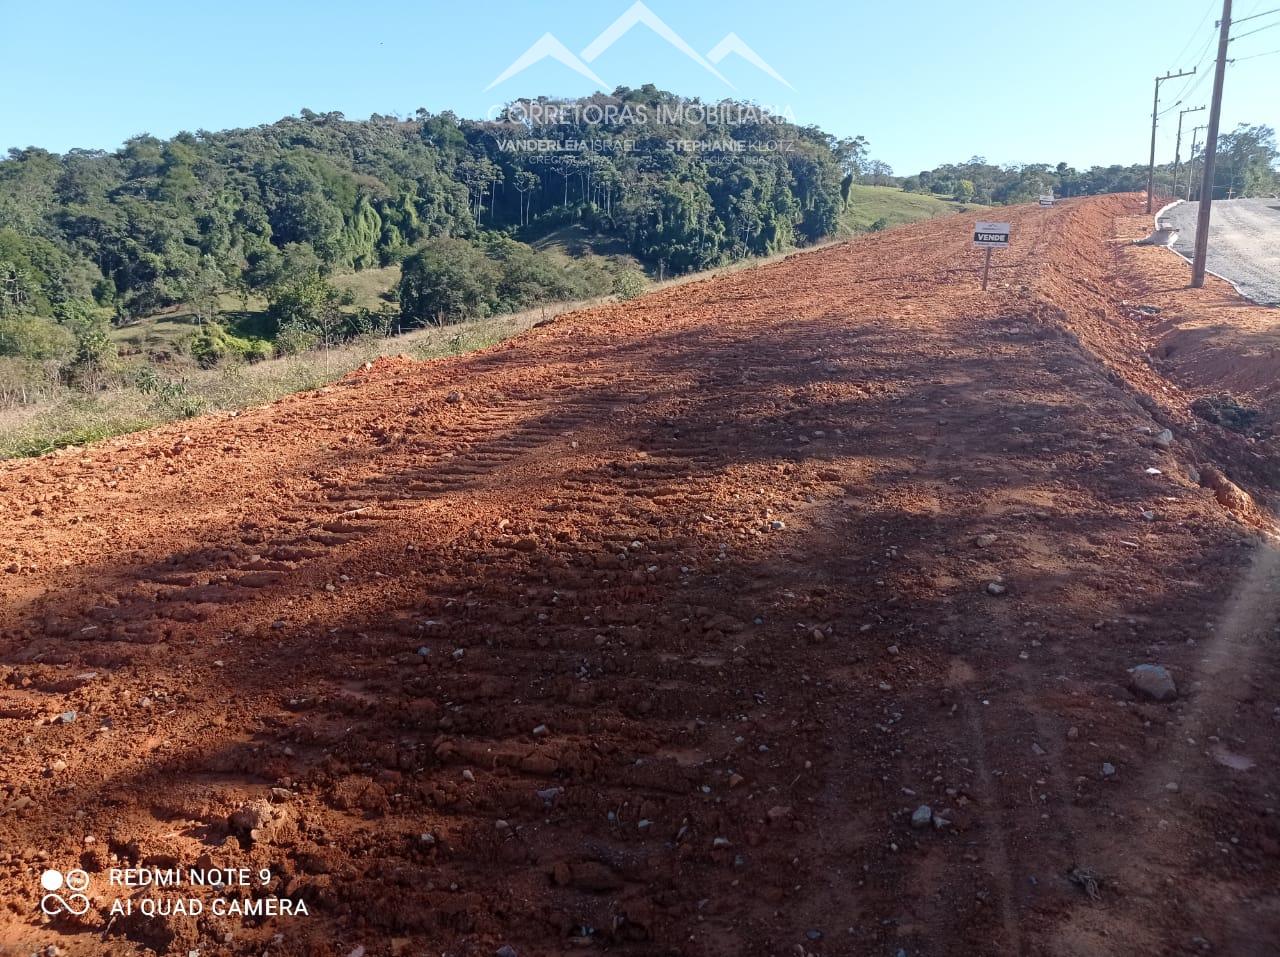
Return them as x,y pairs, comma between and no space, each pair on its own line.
927,82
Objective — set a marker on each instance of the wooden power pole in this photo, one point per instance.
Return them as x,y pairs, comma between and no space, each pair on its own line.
1155,117
1191,160
1210,152
1177,150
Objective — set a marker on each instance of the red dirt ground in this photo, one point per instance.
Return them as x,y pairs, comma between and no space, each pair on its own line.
705,618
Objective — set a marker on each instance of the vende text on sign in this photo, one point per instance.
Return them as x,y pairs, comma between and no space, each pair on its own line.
991,235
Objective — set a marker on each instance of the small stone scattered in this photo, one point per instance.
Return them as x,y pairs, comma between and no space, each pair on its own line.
995,588
1153,682
922,817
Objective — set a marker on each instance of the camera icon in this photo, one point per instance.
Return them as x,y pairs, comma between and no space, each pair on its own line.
75,881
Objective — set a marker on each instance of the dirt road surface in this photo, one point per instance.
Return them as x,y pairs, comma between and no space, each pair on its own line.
1244,243
651,632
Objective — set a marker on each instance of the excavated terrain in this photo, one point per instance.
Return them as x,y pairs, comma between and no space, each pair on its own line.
650,632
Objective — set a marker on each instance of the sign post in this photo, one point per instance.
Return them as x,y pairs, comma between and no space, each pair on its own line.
989,236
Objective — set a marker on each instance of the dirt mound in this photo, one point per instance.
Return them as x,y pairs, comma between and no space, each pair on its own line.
1209,340
791,611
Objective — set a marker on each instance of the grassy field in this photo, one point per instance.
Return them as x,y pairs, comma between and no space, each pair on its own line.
869,204
369,285
70,417
160,334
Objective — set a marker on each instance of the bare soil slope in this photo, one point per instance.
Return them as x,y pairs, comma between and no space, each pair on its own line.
651,630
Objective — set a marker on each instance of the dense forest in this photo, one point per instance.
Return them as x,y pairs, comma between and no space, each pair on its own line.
160,222
273,213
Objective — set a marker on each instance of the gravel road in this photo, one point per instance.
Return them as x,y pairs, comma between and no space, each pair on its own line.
1244,243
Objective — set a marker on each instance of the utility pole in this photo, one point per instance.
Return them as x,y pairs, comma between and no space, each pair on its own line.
1210,151
1155,116
1191,161
1177,150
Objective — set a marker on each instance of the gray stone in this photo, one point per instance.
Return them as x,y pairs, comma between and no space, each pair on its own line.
1164,439
922,817
1154,682
995,588
1108,769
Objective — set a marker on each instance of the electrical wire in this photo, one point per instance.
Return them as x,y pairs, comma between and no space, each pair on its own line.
1259,30
1213,5
1194,84
1201,60
1253,56
1236,23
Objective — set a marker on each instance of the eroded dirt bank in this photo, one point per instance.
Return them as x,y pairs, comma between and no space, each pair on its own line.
651,630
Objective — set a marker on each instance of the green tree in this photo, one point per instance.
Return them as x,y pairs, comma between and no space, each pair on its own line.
309,303
447,280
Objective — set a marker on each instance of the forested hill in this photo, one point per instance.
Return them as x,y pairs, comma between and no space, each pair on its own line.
682,185
263,212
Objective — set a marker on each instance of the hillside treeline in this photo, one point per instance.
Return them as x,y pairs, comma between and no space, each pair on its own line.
182,221
1245,166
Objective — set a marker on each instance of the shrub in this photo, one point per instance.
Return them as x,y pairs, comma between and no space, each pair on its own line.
295,338
630,284
34,337
169,397
94,357
214,344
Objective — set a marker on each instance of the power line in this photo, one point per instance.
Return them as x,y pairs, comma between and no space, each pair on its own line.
1201,59
1203,77
1213,5
1253,56
1259,30
1256,15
